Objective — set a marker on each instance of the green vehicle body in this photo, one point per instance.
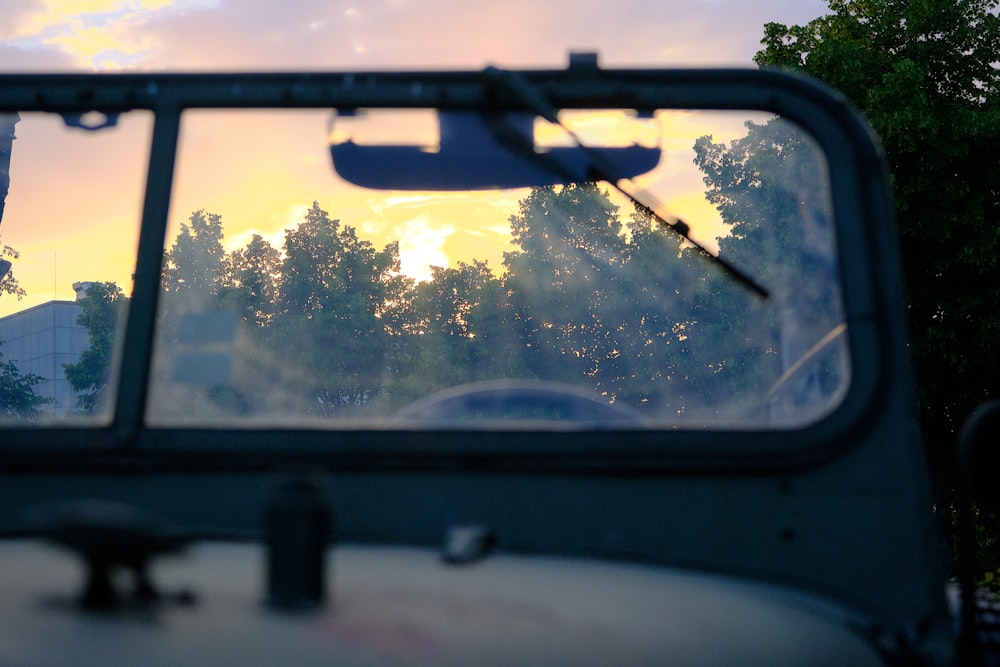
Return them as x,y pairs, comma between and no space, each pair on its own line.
809,544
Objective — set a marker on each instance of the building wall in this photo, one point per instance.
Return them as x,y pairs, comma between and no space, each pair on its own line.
41,340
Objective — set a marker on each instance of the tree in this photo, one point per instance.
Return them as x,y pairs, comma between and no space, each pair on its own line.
598,303
192,302
924,73
194,264
662,298
768,186
101,309
345,306
17,390
460,334
249,281
569,244
8,282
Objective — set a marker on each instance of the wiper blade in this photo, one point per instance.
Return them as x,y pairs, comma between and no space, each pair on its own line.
602,169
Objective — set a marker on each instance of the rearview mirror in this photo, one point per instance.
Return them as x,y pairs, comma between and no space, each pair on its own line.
479,151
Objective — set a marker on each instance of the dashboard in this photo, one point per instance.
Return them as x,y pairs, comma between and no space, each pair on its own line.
407,606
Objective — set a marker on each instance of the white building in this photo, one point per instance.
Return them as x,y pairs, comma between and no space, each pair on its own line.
40,340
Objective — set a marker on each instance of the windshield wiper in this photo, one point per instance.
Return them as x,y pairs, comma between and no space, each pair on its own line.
602,169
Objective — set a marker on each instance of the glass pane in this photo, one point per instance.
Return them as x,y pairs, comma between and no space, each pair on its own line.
291,297
70,223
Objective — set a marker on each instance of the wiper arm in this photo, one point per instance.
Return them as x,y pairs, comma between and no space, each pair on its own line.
602,169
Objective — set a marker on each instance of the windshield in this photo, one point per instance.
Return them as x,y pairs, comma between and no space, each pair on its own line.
291,297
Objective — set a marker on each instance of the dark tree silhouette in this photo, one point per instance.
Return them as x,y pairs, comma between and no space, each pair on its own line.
101,309
925,75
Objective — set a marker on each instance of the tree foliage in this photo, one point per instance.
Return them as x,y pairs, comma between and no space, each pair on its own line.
17,390
924,73
342,303
569,247
101,309
768,185
459,319
618,303
250,281
332,320
589,295
8,282
194,263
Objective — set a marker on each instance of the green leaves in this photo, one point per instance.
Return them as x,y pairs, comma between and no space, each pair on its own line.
194,262
250,281
17,392
340,301
770,188
583,299
101,310
8,283
924,73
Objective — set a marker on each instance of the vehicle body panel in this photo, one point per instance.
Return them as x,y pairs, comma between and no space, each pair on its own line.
838,509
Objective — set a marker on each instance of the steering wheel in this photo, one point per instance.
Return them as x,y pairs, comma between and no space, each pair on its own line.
515,400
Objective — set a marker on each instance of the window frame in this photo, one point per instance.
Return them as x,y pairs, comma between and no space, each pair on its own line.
860,200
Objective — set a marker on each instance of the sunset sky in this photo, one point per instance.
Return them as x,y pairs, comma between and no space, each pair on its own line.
101,186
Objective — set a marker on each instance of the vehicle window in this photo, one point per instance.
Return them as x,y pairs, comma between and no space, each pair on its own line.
291,297
72,190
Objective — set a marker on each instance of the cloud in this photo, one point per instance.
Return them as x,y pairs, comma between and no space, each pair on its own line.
95,34
421,246
320,34
240,240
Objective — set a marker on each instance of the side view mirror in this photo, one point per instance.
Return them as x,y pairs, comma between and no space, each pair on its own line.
978,455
